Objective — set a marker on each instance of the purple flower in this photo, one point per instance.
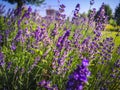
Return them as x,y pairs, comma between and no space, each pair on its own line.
62,6
29,9
59,46
61,10
117,63
7,33
17,11
78,78
54,87
9,65
80,87
63,16
42,83
107,49
85,62
19,35
92,2
62,39
54,31
78,6
2,7
26,15
40,34
67,33
13,46
2,62
47,85
19,22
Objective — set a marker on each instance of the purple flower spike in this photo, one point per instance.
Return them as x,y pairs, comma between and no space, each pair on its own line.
67,33
2,62
62,6
29,9
47,85
85,62
9,65
76,11
79,77
78,6
42,83
80,87
92,2
62,39
19,35
19,22
61,10
13,47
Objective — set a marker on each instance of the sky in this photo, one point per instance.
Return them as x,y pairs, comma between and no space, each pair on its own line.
70,5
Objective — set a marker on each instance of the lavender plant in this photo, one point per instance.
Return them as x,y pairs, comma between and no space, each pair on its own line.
36,54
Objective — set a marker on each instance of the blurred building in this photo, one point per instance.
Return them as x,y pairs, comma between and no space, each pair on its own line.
51,13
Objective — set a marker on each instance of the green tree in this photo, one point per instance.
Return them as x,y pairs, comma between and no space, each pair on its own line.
117,14
20,3
108,11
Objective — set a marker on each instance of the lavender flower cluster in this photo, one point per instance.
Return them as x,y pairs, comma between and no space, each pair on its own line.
47,85
79,77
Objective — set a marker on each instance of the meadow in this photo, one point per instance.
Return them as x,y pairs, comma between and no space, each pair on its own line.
44,53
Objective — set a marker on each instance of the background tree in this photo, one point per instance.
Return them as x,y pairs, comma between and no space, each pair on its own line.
117,14
20,3
108,11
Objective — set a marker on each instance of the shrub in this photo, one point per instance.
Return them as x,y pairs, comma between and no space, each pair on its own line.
112,22
112,28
